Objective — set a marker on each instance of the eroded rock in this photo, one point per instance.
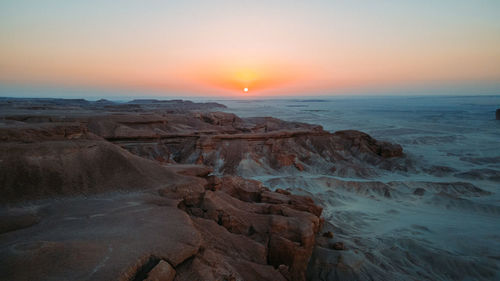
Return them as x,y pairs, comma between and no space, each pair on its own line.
171,217
163,271
109,237
242,213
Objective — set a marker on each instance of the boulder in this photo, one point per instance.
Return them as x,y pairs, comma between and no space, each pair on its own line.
163,271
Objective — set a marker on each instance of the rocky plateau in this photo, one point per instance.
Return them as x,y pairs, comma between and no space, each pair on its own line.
157,190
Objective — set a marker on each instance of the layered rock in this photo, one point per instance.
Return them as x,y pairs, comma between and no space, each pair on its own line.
235,229
58,107
54,168
230,144
106,191
238,146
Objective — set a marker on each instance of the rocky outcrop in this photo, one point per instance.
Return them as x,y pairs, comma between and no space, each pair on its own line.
163,271
230,144
106,191
77,167
259,234
107,237
204,227
363,143
497,114
240,146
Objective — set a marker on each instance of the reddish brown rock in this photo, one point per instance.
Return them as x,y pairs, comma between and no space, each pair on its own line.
299,166
163,271
286,160
243,189
282,191
285,230
232,145
174,214
275,198
76,167
219,118
356,140
106,237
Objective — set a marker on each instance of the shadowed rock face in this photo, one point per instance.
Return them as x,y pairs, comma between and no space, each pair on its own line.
236,146
147,189
53,168
497,114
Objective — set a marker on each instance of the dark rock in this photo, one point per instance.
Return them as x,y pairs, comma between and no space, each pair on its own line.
419,191
480,174
17,221
339,246
284,270
328,234
440,171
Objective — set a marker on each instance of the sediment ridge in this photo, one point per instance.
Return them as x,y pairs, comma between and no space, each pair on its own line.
155,190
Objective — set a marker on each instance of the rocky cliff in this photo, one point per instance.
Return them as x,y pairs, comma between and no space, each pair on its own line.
150,190
235,146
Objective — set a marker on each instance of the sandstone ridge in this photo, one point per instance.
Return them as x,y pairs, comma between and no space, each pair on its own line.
150,190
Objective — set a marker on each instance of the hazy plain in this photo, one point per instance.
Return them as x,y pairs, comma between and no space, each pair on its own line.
442,234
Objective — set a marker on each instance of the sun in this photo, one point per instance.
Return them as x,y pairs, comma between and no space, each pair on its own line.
245,90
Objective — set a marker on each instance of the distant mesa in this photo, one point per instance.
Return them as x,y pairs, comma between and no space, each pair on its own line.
103,101
144,101
498,114
311,100
178,105
150,101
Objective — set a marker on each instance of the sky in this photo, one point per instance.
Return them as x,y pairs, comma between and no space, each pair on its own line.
273,48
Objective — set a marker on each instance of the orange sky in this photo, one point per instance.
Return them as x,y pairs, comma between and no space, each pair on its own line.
271,47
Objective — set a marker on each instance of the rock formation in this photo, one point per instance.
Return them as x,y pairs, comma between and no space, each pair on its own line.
148,190
497,114
232,145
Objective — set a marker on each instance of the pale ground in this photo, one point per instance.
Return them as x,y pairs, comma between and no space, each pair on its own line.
410,237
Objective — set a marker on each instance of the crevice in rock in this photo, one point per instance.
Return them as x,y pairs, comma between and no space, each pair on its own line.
142,272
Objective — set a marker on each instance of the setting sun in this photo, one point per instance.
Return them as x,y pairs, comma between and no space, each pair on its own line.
132,123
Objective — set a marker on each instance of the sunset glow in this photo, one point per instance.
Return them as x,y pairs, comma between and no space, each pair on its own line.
269,140
281,48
